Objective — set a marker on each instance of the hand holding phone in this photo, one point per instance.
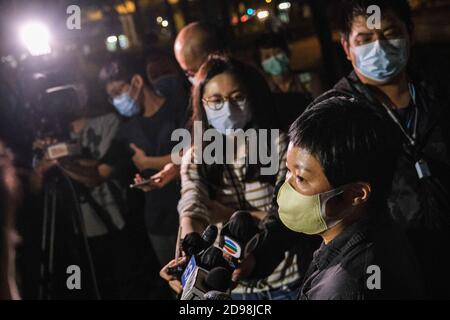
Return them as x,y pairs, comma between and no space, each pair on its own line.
144,184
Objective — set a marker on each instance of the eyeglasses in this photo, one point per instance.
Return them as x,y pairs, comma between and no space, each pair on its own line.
217,102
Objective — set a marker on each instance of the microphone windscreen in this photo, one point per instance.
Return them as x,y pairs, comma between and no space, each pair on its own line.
218,279
242,226
210,235
212,258
192,244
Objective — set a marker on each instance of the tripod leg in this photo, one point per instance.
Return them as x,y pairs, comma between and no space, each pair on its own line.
43,264
51,252
80,221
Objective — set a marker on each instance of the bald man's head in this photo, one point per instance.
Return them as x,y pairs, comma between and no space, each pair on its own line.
193,45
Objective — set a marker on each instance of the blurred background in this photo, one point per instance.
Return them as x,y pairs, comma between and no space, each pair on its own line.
142,26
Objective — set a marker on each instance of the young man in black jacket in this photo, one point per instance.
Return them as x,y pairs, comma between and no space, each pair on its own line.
341,159
418,111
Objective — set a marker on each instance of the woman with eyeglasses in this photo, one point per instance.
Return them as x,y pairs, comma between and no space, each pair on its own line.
230,95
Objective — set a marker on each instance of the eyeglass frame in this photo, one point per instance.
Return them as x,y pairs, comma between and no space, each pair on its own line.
222,102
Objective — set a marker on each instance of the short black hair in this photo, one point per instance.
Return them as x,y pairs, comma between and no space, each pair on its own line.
122,68
273,40
349,9
352,142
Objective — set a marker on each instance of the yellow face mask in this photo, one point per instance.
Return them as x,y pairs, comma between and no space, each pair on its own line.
305,214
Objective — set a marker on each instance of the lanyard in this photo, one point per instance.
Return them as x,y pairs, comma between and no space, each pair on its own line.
421,165
411,139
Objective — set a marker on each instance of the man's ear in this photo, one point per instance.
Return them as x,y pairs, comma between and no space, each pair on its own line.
137,83
346,47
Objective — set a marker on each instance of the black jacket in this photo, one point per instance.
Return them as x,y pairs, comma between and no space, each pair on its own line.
419,206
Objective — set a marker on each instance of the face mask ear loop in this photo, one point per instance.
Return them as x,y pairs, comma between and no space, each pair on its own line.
324,198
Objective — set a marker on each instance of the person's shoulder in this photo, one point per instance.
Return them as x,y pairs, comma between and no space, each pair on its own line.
337,283
342,88
106,119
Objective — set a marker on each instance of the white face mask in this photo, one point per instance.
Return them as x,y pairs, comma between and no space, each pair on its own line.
382,60
229,117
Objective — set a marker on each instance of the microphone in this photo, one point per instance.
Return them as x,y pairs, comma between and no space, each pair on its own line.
218,279
213,257
217,296
194,243
240,236
201,281
210,235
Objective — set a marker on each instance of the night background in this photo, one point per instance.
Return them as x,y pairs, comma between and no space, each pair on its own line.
141,27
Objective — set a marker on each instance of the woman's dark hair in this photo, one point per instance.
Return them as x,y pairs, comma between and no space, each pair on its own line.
260,100
352,142
349,9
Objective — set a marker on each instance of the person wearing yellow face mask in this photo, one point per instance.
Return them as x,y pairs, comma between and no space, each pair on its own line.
340,162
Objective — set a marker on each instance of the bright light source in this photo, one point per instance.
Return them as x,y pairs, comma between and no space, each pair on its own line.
165,23
111,39
268,1
111,43
250,11
36,38
244,18
284,5
159,19
123,41
263,14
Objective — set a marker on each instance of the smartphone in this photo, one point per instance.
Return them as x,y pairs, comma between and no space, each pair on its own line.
144,182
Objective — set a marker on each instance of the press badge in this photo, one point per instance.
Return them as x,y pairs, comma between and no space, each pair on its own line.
422,169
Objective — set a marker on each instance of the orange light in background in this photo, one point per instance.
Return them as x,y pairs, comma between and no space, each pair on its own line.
173,1
94,15
268,1
234,20
126,7
244,18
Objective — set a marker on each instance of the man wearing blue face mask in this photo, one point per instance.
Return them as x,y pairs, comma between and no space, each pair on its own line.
143,140
383,76
146,139
274,57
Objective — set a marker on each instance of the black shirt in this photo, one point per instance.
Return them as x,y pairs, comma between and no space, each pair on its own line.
153,136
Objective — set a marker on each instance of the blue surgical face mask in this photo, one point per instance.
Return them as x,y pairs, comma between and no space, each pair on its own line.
276,65
382,60
229,117
125,105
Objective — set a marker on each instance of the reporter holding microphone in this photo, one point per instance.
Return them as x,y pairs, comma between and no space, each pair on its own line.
232,95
